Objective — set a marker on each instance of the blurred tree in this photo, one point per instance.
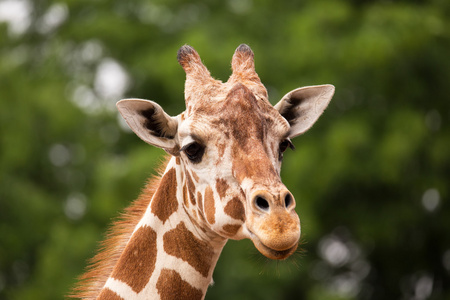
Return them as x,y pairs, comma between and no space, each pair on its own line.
371,178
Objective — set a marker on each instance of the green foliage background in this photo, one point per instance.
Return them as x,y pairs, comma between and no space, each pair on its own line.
371,179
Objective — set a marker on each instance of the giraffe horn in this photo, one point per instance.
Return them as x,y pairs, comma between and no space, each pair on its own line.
197,75
189,59
243,65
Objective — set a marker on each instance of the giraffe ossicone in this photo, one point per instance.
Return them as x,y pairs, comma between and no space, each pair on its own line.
222,181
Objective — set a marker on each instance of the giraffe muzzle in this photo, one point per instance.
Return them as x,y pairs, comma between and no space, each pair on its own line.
273,224
272,253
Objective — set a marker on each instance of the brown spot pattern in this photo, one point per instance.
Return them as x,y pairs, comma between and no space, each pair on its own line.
196,178
165,203
200,201
244,111
137,262
182,243
107,294
254,165
221,146
170,285
235,209
185,196
221,187
231,229
191,188
200,205
209,205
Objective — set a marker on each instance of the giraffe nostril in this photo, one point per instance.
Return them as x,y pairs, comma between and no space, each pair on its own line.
288,200
262,203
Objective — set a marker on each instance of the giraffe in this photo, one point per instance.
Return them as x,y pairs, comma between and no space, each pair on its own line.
221,181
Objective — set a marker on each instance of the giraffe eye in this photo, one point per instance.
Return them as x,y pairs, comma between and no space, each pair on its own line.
194,151
283,147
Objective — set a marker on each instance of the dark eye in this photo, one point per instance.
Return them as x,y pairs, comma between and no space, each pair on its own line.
194,151
283,147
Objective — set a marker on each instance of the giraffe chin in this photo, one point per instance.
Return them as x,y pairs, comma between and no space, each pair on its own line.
271,253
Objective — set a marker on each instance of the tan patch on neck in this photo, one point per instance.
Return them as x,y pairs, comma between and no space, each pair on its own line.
171,286
138,260
107,294
182,243
185,196
200,206
235,209
200,201
222,187
165,203
196,178
209,205
231,229
191,188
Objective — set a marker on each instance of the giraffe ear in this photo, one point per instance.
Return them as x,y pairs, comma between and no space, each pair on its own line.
149,121
303,106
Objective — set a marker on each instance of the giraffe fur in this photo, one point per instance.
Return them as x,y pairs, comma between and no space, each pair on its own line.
221,181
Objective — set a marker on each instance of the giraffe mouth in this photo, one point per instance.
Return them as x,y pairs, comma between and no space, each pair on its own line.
272,253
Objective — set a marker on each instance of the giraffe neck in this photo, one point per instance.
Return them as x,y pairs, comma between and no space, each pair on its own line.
170,255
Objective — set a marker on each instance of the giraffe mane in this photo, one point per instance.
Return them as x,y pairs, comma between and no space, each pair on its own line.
109,250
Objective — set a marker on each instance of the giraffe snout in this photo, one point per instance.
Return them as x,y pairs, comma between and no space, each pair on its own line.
264,201
274,225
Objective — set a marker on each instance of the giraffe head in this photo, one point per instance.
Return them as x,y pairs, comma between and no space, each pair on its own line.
229,144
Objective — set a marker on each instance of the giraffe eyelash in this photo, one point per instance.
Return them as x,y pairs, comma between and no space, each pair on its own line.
194,151
286,143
